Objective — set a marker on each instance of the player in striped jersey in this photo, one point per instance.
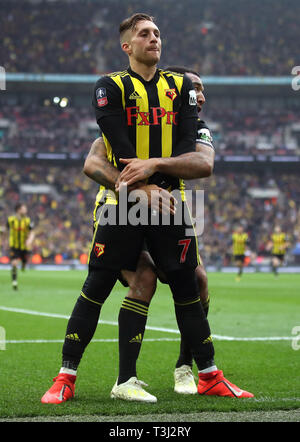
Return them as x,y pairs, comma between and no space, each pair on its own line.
160,124
98,168
279,244
21,236
239,243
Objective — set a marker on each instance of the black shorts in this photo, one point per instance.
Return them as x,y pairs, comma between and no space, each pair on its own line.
118,247
239,258
18,254
115,247
278,256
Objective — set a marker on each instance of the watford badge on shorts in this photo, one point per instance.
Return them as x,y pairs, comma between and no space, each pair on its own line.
99,249
171,93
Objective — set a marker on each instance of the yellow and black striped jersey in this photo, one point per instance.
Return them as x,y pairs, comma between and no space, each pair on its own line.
156,118
239,241
18,228
279,241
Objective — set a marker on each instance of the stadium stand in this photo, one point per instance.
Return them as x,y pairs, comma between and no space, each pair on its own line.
255,123
81,36
61,201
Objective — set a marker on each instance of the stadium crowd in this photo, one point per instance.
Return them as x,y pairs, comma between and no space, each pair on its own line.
81,36
76,36
62,214
37,128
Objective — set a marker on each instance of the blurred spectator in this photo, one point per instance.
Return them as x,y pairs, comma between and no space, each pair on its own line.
216,37
53,129
63,216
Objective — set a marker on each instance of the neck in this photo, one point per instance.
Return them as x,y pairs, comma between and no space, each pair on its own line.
146,72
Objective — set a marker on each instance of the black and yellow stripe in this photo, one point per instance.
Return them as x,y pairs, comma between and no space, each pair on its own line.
19,229
189,302
239,243
91,300
148,104
136,307
279,243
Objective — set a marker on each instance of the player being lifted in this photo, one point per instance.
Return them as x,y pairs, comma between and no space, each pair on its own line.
149,116
239,243
20,238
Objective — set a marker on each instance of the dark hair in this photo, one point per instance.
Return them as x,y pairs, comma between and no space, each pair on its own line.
130,22
18,206
181,70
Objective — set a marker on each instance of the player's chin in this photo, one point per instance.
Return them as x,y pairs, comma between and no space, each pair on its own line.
152,58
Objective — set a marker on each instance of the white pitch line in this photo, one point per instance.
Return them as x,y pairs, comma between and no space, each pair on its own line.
160,329
61,341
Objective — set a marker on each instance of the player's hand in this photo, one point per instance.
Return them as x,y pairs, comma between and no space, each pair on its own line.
160,200
136,170
153,196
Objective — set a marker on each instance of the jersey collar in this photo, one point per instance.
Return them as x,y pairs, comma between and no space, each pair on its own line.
153,80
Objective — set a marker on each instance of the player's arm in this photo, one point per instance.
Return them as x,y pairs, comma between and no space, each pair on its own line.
110,116
198,164
98,168
31,236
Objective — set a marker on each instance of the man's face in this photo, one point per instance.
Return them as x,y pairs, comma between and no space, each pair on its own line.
143,43
198,86
22,210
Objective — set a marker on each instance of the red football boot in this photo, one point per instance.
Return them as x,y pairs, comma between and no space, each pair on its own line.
62,389
215,384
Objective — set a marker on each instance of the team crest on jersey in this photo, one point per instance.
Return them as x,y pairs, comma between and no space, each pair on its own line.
99,249
171,93
101,97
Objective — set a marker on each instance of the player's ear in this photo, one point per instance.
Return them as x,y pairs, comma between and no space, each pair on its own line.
126,47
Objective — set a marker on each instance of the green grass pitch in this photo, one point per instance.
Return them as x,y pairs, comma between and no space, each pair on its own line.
252,323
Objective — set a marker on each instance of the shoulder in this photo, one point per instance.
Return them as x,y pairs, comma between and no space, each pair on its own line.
170,74
176,78
111,80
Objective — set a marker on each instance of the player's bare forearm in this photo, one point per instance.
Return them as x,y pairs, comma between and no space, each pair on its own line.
98,168
198,164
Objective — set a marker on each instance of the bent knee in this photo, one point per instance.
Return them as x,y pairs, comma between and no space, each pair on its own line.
201,276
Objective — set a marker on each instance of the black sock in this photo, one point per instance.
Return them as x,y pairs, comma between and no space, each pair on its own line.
185,355
240,271
14,273
132,323
205,305
80,330
195,330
